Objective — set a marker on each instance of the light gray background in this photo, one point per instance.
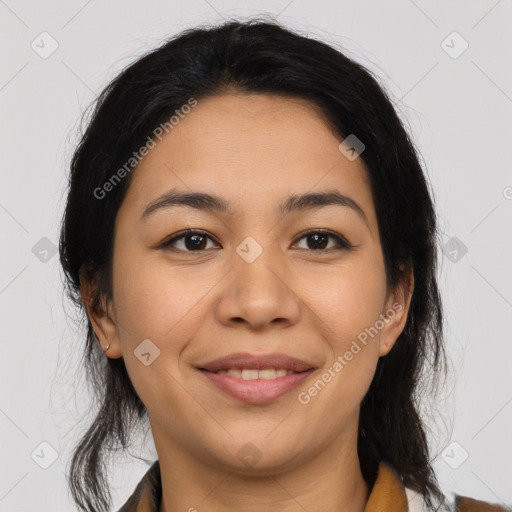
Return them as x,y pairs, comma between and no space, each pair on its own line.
458,109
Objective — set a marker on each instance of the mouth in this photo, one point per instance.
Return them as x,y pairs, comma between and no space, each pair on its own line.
254,378
253,374
251,389
256,361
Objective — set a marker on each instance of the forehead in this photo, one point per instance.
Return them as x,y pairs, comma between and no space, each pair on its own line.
254,150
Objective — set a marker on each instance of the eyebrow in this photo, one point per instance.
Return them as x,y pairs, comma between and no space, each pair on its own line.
212,203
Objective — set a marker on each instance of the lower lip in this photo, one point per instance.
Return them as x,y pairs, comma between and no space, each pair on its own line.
257,391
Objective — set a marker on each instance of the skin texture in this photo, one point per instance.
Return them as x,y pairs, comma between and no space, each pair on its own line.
254,150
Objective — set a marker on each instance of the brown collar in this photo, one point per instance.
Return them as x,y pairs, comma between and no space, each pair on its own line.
388,494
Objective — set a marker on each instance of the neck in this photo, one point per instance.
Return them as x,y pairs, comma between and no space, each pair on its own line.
327,482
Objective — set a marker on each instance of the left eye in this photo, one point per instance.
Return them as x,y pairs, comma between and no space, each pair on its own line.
195,241
319,240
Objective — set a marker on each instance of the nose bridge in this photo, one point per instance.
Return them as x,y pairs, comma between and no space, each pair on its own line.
257,266
258,292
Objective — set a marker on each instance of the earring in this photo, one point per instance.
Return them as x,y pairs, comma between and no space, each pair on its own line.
106,348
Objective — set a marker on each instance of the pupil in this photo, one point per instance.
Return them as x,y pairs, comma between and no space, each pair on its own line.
316,236
194,244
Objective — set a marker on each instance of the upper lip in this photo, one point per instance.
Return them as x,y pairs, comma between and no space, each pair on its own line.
245,360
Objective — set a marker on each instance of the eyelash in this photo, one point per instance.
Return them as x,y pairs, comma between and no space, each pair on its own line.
342,242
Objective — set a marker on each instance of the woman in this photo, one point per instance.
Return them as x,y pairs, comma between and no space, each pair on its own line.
253,240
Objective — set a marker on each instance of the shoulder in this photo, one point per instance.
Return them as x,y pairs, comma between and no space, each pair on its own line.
467,504
147,495
416,503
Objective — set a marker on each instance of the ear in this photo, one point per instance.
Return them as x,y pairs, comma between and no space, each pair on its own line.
396,312
102,318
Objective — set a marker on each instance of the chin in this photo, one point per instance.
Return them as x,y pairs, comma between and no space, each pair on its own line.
259,457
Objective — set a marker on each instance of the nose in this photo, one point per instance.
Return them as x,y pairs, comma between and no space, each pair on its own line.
259,295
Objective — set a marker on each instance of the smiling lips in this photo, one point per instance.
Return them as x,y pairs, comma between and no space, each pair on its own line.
256,379
245,360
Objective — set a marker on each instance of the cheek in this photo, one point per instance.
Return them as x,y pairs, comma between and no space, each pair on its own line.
157,301
163,305
347,299
345,312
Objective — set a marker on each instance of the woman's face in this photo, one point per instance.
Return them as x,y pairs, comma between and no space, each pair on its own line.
258,279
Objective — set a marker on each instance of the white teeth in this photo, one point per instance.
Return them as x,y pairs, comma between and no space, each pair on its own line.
268,374
251,374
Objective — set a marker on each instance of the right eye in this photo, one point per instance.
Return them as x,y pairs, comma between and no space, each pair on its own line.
193,241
